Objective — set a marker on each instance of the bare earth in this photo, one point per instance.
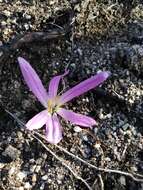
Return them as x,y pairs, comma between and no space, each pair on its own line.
85,37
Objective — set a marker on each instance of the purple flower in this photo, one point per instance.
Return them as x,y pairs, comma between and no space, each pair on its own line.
53,102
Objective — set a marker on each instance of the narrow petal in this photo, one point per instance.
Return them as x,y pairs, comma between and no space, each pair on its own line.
54,84
53,129
33,81
38,120
75,118
83,87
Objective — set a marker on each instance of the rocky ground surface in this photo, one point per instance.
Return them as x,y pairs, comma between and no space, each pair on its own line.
84,37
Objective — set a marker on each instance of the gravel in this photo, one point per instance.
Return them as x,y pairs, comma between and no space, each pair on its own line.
117,105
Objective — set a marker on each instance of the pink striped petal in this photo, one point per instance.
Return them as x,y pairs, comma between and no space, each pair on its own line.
75,118
53,129
83,87
33,81
54,84
38,120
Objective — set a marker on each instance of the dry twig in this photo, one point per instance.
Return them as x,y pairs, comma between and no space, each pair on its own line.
127,174
95,167
101,181
62,162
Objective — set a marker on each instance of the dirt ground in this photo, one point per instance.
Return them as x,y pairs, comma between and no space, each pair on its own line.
85,36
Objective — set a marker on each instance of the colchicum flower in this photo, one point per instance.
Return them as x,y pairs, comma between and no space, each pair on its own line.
53,102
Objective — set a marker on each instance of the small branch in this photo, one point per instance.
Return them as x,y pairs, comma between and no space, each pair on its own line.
95,167
62,162
102,169
49,150
101,182
80,159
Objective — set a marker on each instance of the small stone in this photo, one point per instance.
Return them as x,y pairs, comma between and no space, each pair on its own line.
19,134
32,168
128,133
107,159
77,129
3,23
21,188
21,175
31,160
11,171
7,13
97,146
49,181
59,182
45,177
42,186
27,185
125,127
122,180
79,51
37,169
134,169
108,116
28,17
11,152
34,178
85,138
101,116
95,130
26,26
121,123
1,165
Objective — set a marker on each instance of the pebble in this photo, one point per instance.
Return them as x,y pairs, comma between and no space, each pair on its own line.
107,159
134,169
34,178
3,23
27,185
11,152
122,180
26,26
129,133
21,188
7,13
19,134
32,168
1,165
97,146
37,169
77,129
28,17
95,130
126,126
21,175
85,138
11,171
45,177
42,186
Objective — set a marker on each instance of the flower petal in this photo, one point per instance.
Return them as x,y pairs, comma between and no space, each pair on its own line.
53,129
54,83
38,120
76,118
83,87
33,81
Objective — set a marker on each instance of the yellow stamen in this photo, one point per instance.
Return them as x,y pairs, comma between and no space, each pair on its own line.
53,104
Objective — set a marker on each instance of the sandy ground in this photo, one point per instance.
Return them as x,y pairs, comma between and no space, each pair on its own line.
85,37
